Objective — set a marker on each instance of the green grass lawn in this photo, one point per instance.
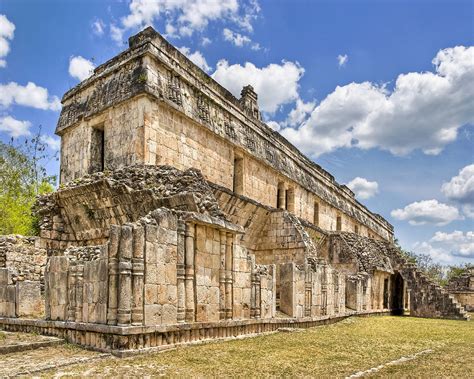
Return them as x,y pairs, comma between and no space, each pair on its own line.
341,349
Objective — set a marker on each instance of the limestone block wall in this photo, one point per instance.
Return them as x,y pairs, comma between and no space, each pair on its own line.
7,294
242,284
311,290
466,299
358,292
23,256
163,269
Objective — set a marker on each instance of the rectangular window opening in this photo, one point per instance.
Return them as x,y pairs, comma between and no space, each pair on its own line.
97,162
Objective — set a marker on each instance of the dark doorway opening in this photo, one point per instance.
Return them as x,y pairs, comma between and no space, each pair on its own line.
397,294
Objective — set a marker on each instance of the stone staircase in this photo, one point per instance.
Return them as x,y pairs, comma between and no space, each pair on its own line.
427,299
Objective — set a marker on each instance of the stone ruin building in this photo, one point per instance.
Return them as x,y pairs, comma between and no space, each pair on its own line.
182,217
462,287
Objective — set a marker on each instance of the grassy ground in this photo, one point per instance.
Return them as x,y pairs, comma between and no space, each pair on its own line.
356,344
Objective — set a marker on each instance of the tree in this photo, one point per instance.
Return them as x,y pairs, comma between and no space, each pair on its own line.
22,177
435,271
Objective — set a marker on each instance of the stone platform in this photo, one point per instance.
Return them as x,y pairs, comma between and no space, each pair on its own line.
124,341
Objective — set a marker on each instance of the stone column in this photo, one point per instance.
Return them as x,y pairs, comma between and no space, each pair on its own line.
189,272
125,277
253,294
308,291
71,310
229,258
324,290
222,274
335,283
258,295
114,242
180,271
138,271
79,289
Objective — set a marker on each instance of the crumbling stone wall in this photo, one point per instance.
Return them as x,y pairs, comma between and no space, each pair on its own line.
23,256
426,299
22,265
462,288
81,212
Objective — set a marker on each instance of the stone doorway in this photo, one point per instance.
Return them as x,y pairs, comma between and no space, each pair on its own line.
397,292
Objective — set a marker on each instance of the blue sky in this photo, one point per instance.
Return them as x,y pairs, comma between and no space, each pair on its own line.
382,91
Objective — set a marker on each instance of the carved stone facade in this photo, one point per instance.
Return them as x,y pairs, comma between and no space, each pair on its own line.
182,217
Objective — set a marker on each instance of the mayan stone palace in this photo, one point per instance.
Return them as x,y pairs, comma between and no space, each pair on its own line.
182,217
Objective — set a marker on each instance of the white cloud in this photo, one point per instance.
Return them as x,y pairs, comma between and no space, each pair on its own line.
30,95
443,246
239,40
274,125
80,68
461,189
7,30
116,34
299,114
342,60
236,38
362,188
423,111
53,143
185,17
98,27
13,127
205,41
427,212
275,84
196,57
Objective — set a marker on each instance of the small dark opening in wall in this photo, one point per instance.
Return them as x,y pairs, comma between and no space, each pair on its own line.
356,229
97,162
339,223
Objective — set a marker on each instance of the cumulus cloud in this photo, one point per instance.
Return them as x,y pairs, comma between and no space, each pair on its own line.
15,128
185,17
80,68
444,246
363,188
7,30
299,113
238,39
461,189
196,57
342,60
274,125
423,111
275,84
53,143
30,95
427,212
